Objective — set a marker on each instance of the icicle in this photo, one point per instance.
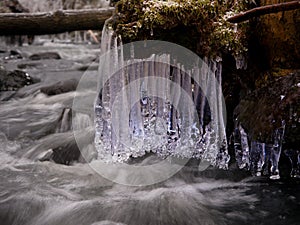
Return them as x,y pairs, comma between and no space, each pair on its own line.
187,111
223,157
174,98
106,141
294,156
276,151
257,155
136,120
241,148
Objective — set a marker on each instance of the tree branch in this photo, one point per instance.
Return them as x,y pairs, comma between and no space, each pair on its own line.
263,10
53,22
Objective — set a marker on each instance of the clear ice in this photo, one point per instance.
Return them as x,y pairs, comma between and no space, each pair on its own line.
146,107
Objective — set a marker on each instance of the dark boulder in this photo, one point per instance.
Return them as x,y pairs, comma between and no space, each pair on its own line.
67,153
14,54
29,65
13,80
60,87
45,55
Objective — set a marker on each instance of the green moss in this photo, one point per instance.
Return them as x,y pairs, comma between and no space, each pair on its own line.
199,25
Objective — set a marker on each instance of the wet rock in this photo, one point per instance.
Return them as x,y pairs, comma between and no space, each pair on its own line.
86,67
60,87
69,150
14,54
45,156
13,80
28,65
66,154
45,55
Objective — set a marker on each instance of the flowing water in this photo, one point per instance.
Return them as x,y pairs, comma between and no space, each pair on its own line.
38,192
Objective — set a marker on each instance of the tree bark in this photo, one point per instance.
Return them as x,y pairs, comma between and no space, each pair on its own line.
53,22
263,10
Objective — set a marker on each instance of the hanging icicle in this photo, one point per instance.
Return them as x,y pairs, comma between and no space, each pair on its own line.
153,104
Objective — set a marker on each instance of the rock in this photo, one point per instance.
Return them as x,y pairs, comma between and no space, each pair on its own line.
14,54
45,55
63,146
279,37
86,67
28,65
69,151
263,110
60,87
13,80
45,156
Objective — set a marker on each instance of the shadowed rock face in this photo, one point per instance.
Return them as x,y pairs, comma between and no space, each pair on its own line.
279,37
262,111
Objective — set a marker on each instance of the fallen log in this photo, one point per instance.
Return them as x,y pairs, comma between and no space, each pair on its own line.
263,10
53,22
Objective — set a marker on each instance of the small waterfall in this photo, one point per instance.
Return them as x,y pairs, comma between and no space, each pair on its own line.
65,123
153,104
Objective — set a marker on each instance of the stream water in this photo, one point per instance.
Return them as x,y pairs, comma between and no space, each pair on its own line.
35,192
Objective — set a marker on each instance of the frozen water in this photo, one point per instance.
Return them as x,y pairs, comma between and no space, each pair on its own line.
154,105
241,148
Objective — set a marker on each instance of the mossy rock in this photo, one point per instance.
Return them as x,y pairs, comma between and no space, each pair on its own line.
200,25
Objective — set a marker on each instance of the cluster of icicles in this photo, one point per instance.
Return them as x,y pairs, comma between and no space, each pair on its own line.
262,159
153,105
